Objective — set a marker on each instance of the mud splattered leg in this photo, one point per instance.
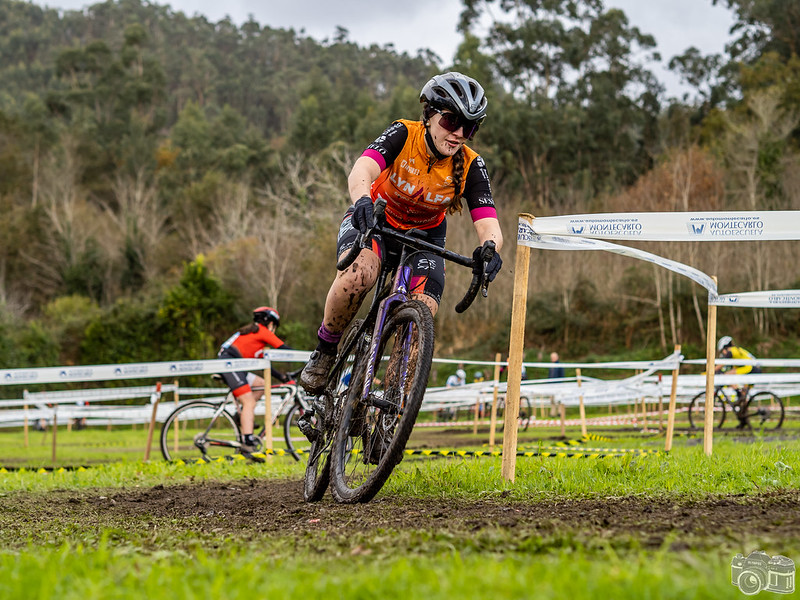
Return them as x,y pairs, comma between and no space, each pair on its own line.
349,289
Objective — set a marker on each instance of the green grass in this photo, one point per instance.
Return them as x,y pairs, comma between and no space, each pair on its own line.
84,561
734,468
108,573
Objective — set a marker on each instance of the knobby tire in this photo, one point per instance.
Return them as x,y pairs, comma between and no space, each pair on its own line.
370,441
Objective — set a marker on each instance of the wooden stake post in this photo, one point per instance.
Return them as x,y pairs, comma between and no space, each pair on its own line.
55,431
711,347
177,425
584,432
25,417
521,269
268,408
493,420
672,399
156,399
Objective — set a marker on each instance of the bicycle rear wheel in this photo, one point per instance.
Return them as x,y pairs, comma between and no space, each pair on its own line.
327,410
764,411
372,434
195,430
697,411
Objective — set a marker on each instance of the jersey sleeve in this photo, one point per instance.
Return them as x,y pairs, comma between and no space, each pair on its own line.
388,145
268,338
478,191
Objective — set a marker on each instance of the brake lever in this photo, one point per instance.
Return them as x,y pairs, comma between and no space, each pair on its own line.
488,255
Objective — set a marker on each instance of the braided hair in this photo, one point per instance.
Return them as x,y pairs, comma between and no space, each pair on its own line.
458,176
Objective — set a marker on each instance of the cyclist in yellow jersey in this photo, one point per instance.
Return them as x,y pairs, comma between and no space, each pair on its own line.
425,171
727,349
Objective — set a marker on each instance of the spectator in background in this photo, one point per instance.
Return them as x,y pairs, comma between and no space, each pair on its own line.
457,379
556,371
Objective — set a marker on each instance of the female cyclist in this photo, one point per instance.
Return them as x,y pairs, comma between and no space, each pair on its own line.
249,342
424,170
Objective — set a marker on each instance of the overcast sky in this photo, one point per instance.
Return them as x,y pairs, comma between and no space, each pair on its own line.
414,24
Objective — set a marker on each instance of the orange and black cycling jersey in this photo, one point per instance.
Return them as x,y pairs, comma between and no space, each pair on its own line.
251,345
417,187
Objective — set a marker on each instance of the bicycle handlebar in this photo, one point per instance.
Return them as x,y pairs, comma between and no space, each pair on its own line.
479,279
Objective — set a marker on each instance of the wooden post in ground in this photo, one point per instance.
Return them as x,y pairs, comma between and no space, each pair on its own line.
584,433
25,417
268,443
562,411
516,345
711,347
672,400
477,413
176,430
55,431
493,419
155,398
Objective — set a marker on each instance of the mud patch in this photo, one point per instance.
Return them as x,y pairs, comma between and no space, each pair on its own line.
276,508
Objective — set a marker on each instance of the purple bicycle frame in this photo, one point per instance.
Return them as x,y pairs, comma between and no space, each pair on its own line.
400,293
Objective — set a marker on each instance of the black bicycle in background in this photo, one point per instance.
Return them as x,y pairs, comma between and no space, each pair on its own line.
209,430
365,415
759,410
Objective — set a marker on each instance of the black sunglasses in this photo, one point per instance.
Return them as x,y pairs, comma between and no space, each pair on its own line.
451,122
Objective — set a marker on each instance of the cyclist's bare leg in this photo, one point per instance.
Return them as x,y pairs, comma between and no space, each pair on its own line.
348,290
248,401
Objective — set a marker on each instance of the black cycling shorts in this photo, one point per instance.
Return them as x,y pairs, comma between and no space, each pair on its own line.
427,270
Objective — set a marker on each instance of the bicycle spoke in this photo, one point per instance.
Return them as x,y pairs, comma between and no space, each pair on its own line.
199,430
764,411
374,429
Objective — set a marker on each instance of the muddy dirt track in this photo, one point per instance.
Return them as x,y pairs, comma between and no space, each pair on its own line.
269,507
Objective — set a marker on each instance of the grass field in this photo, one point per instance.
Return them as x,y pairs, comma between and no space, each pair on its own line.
634,526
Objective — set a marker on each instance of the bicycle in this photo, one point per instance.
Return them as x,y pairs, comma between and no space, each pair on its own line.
362,427
764,409
213,428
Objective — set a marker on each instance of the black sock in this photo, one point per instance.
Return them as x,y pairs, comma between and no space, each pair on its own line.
327,347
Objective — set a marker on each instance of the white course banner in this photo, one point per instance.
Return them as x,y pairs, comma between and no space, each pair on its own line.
677,226
528,237
146,370
766,299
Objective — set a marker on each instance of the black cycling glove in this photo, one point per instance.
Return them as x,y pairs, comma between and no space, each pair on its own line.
492,269
363,218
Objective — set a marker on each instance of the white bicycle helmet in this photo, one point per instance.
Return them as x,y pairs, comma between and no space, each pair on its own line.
724,342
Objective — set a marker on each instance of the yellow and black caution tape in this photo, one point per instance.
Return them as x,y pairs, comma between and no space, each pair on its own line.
596,438
498,453
579,448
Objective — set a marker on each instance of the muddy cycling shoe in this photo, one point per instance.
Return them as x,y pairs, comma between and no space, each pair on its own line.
250,446
315,373
307,426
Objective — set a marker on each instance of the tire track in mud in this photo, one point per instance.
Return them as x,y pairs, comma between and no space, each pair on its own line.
277,508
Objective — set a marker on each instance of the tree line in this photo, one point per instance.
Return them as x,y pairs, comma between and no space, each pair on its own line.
160,174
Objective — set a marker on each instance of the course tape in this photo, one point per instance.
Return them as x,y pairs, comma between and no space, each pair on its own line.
676,226
526,236
766,299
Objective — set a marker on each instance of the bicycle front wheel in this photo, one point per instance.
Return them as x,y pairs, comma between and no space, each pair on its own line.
373,431
764,411
327,411
697,411
199,430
